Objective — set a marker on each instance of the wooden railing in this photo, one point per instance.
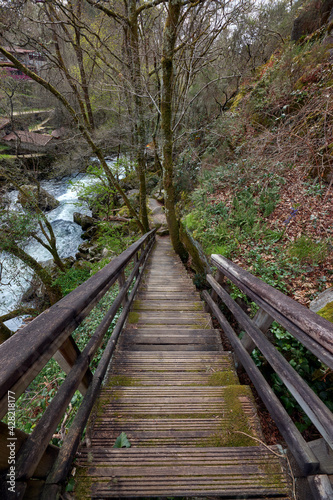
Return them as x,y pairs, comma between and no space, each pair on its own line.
24,355
315,459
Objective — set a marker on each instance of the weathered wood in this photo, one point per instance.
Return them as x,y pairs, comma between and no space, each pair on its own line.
263,321
314,325
172,398
62,465
37,442
321,487
121,281
219,277
324,454
317,349
66,357
160,471
316,410
44,465
305,458
23,358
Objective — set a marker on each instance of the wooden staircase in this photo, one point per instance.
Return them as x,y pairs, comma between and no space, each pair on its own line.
175,394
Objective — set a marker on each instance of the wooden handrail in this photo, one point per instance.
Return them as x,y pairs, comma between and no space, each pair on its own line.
23,355
314,332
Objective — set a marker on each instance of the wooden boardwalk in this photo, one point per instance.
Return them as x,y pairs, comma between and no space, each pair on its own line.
175,394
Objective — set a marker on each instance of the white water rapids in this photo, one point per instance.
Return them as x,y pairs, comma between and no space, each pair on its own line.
15,277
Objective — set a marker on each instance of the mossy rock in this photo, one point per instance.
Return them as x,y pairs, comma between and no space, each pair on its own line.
327,312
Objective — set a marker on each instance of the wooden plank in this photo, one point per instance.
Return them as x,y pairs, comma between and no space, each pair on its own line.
168,472
167,305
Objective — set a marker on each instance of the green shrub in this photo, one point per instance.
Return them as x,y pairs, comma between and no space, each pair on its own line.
72,278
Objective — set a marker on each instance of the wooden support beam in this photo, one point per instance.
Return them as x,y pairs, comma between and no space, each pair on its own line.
263,321
66,358
46,461
219,278
121,281
321,487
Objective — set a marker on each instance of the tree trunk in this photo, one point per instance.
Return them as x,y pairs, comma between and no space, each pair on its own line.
82,128
169,40
139,112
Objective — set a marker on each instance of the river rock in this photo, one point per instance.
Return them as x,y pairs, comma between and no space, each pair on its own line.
323,304
90,233
84,247
45,200
85,221
163,231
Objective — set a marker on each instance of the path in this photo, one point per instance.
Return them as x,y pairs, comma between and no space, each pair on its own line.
175,394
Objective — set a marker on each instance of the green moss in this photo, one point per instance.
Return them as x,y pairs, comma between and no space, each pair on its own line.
197,262
83,483
120,380
327,312
133,317
231,429
223,378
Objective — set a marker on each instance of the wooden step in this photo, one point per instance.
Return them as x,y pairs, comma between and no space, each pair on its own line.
162,472
163,339
193,429
167,305
164,362
151,295
151,378
160,432
181,319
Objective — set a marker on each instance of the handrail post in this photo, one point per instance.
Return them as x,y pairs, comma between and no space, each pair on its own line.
263,321
219,277
121,281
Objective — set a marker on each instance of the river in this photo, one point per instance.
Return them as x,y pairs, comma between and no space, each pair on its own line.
15,277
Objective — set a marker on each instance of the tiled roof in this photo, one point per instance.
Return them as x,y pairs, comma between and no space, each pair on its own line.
4,122
29,137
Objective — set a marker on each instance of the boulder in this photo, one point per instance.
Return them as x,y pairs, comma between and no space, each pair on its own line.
45,200
313,15
323,304
84,247
85,221
162,231
90,233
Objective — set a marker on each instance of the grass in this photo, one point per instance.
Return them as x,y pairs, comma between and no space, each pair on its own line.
308,251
